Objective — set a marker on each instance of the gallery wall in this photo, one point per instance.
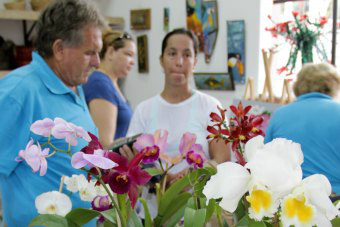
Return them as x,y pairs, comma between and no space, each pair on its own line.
140,86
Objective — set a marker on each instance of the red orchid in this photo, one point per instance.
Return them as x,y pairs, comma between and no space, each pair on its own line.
126,177
93,145
217,118
241,129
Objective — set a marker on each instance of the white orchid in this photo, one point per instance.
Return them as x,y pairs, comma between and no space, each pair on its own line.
53,202
309,204
272,170
72,182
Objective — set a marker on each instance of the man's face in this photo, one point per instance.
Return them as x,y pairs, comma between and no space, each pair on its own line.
76,63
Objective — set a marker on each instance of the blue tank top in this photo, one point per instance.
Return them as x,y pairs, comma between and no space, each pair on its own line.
100,86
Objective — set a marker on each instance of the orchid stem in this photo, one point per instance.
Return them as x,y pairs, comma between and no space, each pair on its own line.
61,184
122,221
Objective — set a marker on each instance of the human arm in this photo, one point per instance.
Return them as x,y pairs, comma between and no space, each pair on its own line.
104,115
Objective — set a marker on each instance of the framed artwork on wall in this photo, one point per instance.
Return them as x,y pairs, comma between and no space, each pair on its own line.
236,50
142,51
166,19
214,81
202,19
140,19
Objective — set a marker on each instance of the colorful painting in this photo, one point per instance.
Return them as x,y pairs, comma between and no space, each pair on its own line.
166,19
214,81
210,28
202,19
236,50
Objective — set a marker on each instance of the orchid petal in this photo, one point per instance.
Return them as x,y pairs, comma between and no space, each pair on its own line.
252,147
42,127
161,140
274,172
219,184
319,190
78,160
187,140
43,166
99,161
53,203
145,140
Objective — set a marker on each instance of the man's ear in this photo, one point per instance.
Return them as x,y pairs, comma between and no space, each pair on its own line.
58,49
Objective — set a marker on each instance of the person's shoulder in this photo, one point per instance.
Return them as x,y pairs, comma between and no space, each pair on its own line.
147,103
21,80
206,98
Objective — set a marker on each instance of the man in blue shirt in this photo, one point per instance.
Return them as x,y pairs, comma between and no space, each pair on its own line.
313,121
67,44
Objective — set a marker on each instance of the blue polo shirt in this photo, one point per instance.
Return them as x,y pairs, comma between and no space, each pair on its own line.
28,94
314,122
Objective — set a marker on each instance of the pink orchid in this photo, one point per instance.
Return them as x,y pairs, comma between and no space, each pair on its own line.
152,145
35,157
69,131
192,152
98,159
43,127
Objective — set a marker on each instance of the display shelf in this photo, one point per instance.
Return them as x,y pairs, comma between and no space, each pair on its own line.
31,15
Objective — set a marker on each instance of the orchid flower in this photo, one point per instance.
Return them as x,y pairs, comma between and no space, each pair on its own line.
53,202
126,176
101,203
98,159
35,157
69,131
43,127
152,145
309,204
192,152
272,174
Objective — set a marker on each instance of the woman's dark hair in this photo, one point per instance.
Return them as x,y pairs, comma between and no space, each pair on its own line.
180,31
115,39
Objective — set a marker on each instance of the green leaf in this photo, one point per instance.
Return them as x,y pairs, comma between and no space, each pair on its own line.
109,224
134,220
243,222
49,220
189,215
240,211
194,218
169,196
253,223
176,204
148,219
210,209
153,171
336,222
110,215
81,216
174,218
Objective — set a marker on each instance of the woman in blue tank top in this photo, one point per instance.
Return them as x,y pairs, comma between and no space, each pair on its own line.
108,107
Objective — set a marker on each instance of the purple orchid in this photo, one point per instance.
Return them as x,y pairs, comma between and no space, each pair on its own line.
43,127
98,159
35,157
69,131
152,145
101,203
192,152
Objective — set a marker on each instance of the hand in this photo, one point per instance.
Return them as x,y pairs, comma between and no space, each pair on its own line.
127,152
